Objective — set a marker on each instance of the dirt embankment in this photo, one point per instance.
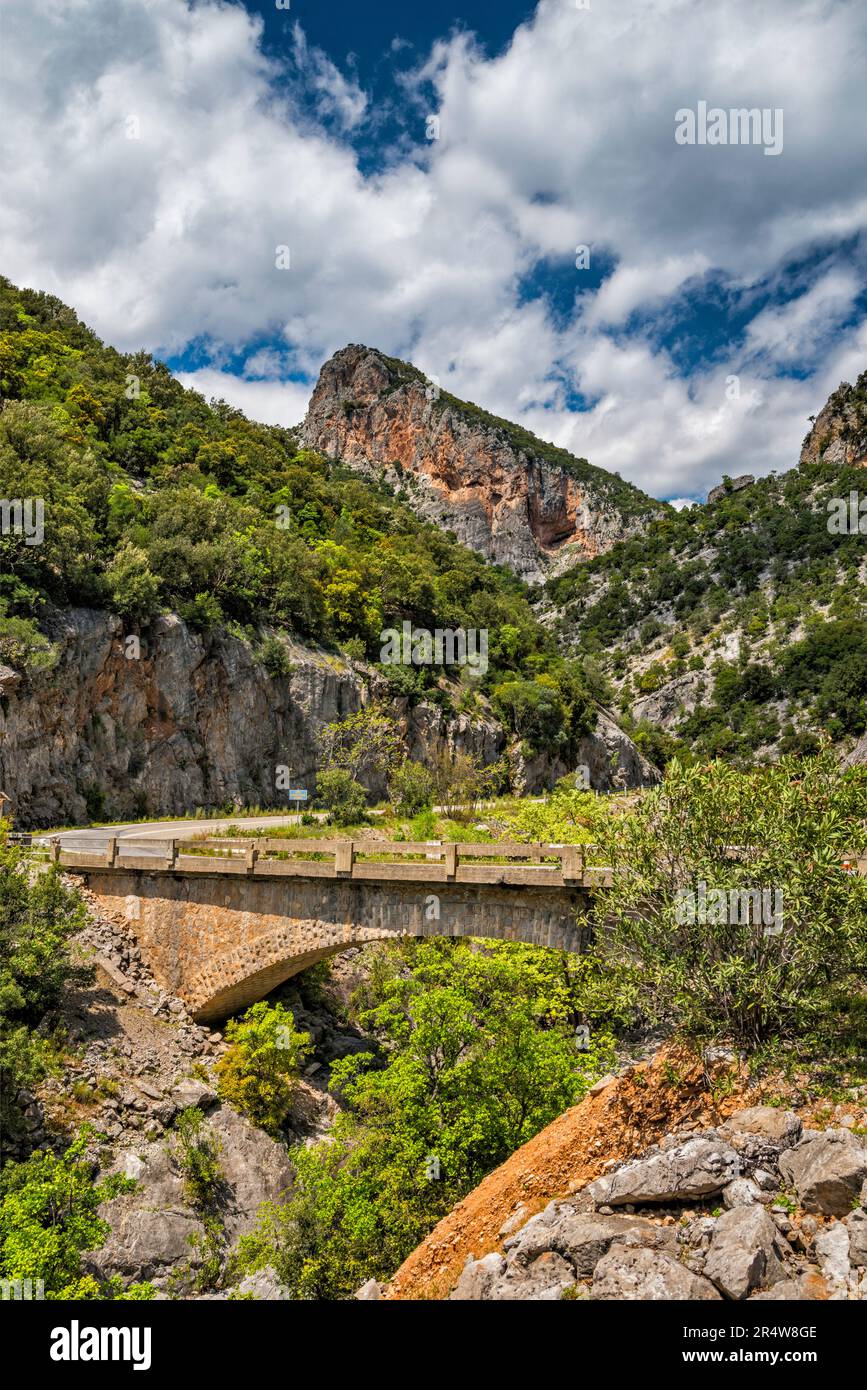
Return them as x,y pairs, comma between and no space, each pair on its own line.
615,1121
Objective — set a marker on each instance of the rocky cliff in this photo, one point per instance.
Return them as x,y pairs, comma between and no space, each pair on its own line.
196,720
506,494
839,433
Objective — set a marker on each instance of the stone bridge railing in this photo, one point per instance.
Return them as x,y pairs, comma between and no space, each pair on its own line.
421,861
221,922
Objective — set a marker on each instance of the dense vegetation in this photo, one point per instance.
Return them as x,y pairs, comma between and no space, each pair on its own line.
759,567
478,1052
155,500
735,910
37,917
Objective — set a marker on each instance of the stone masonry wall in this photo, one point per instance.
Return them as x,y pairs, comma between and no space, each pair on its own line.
221,943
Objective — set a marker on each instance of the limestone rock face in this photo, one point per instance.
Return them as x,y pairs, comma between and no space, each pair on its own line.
151,1226
198,721
734,485
827,1171
839,433
505,494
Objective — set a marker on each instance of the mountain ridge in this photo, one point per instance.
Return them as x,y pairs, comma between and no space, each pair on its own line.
508,495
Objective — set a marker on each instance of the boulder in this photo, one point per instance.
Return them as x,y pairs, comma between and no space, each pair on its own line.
690,1169
856,1225
832,1252
580,1238
809,1285
544,1280
827,1171
781,1127
265,1285
478,1277
370,1291
190,1093
639,1274
743,1192
742,1253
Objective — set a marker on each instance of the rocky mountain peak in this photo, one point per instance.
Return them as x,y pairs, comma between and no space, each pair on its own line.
506,494
839,432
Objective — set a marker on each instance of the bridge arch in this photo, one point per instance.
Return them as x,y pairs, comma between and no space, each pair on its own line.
220,943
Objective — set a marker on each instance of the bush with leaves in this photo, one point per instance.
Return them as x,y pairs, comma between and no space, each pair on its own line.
197,1153
37,917
259,1071
680,931
363,742
341,796
480,1054
48,1218
569,816
275,657
410,788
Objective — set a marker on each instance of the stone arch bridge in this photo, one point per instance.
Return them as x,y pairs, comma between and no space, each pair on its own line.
220,923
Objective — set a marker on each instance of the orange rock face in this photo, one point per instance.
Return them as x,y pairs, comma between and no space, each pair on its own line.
515,500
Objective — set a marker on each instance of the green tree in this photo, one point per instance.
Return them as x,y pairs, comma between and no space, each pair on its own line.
259,1071
681,931
37,917
410,788
48,1218
480,1054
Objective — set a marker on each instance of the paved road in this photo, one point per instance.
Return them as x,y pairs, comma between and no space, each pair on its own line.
98,835
90,837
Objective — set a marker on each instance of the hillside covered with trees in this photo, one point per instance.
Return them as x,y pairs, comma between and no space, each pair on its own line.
738,628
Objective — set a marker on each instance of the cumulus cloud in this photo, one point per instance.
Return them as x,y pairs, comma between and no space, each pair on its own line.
273,402
158,159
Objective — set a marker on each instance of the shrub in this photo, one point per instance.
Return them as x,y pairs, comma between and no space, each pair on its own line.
37,916
410,788
134,591
340,795
22,645
258,1072
275,658
196,1153
48,1216
676,928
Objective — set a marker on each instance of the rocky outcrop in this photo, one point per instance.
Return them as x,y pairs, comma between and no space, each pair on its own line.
697,1167
678,697
156,1231
677,1243
197,721
827,1170
509,496
839,433
729,485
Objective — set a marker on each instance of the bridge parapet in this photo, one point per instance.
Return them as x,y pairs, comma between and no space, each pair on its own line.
222,922
541,865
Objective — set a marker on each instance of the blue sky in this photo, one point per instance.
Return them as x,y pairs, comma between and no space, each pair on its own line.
161,151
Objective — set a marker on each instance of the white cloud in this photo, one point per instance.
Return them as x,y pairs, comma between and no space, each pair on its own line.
791,332
567,137
271,402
